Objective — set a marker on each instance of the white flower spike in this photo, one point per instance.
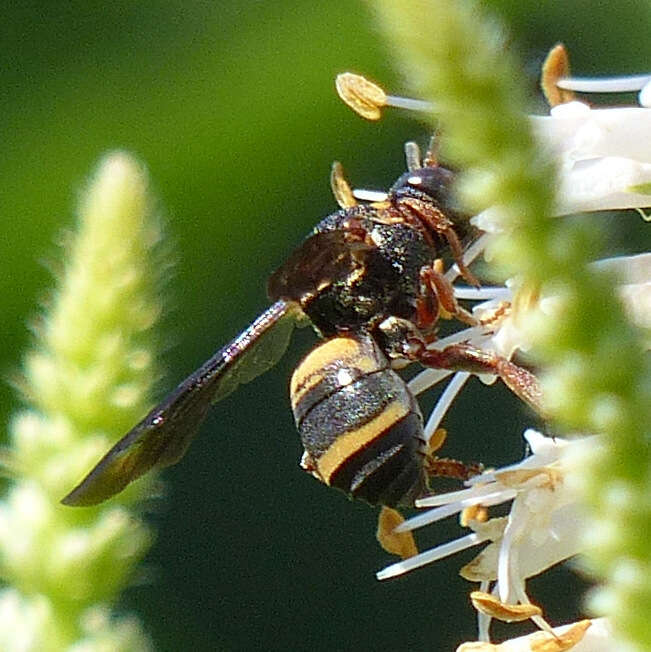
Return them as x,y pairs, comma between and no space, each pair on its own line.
603,158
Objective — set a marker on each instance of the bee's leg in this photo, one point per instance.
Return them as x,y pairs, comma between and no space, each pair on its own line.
446,467
428,310
463,357
439,223
437,291
431,159
340,187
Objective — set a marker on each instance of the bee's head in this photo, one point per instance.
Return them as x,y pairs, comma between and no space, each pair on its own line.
433,182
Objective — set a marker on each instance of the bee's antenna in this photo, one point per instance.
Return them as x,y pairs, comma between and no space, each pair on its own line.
340,187
431,159
412,156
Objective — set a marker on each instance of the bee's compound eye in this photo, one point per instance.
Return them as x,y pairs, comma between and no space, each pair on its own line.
435,182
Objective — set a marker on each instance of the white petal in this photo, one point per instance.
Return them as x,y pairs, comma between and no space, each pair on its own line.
644,98
637,299
634,272
576,132
604,183
629,269
566,537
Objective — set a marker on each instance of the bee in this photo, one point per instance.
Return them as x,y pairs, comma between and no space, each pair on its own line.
367,279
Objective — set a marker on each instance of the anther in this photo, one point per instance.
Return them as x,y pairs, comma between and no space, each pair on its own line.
555,67
509,613
362,96
395,543
367,98
431,159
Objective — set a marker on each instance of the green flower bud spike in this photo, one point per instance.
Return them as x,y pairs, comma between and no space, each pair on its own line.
88,377
594,368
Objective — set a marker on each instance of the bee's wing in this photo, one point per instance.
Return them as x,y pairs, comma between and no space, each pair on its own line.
323,258
164,435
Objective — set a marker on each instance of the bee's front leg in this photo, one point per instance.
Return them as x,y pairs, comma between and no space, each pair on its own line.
437,299
464,357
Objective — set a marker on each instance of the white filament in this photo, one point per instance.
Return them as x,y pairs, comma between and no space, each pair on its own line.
444,403
604,84
486,293
426,379
369,195
410,104
433,515
424,558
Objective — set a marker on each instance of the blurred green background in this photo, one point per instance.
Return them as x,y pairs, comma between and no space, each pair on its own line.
231,105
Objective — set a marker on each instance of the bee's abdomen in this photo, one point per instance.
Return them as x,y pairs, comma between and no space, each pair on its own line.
360,426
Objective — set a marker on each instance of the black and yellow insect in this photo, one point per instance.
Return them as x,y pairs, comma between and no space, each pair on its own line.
367,281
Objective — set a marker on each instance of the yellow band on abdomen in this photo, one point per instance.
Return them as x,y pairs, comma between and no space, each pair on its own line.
345,351
349,443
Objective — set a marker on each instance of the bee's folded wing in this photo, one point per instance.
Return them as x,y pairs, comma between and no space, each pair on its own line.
164,435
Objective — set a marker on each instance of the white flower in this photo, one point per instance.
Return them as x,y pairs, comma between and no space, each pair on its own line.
504,315
604,161
634,274
545,524
536,484
603,158
604,155
633,277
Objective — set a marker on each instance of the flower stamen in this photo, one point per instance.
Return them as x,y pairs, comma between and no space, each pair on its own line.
605,84
555,67
367,98
443,404
364,194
